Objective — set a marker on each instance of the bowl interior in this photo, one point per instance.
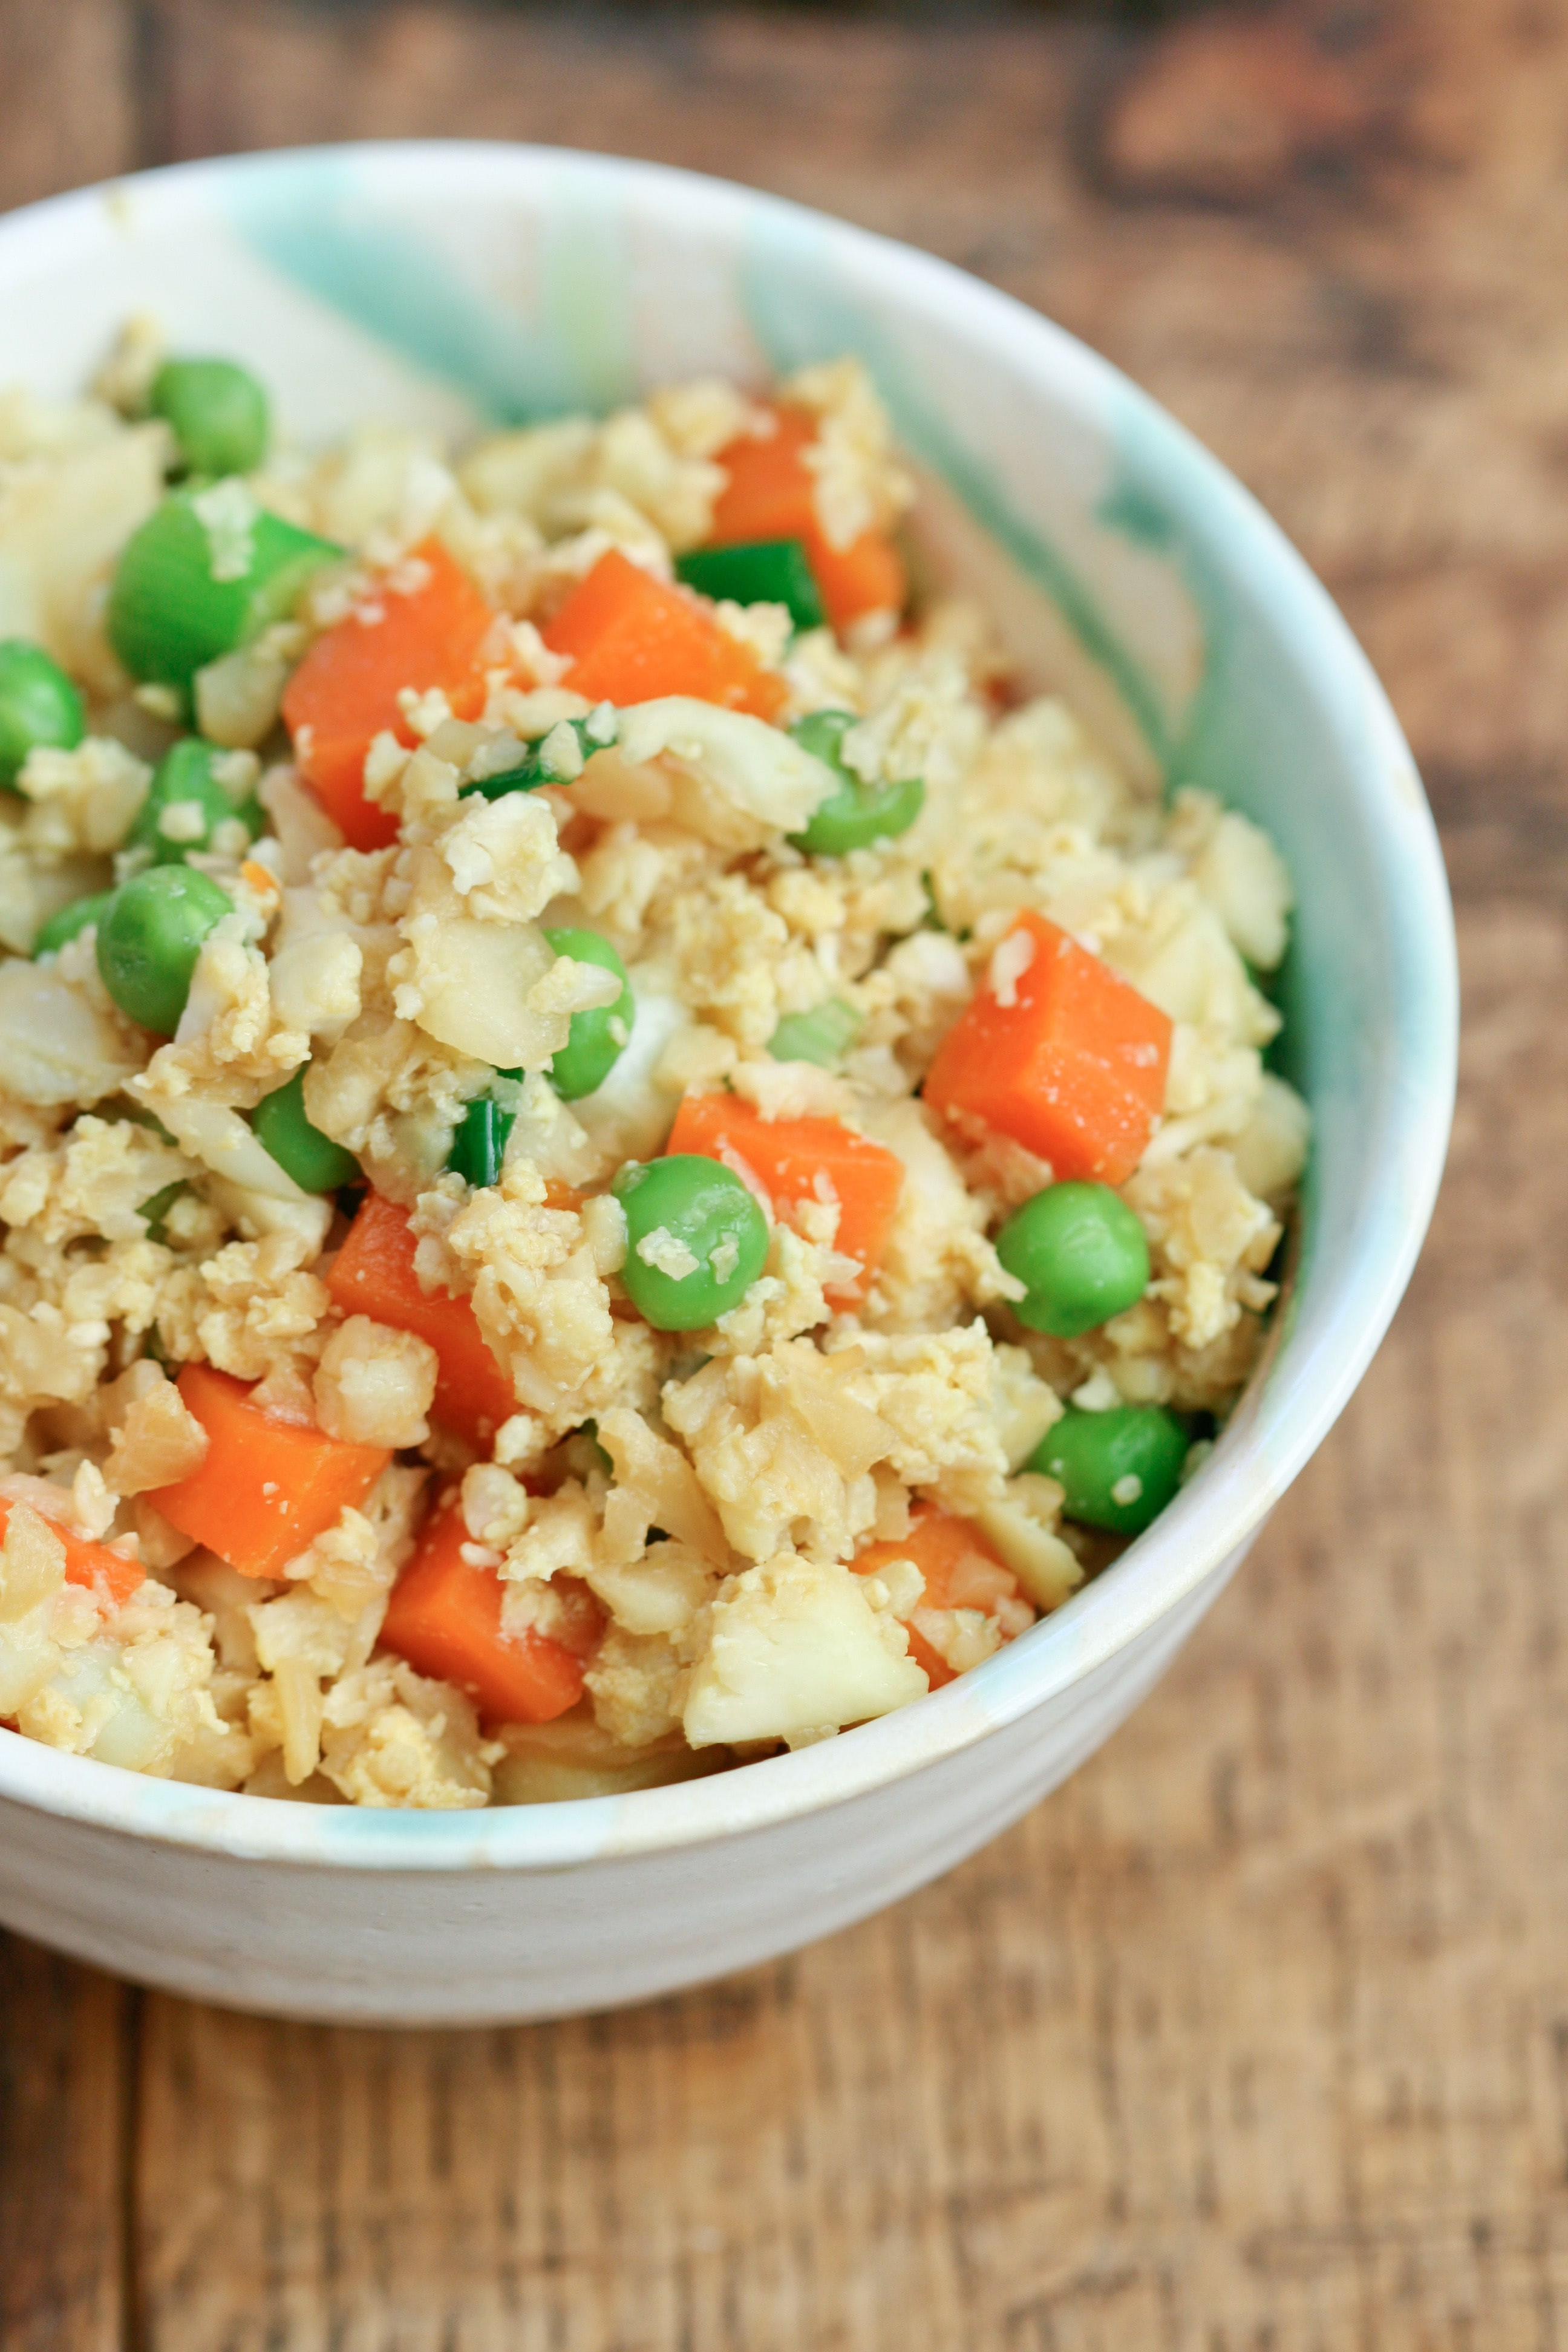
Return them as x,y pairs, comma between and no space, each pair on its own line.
452,286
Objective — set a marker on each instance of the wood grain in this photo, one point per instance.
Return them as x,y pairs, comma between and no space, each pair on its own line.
67,98
1255,2038
64,2045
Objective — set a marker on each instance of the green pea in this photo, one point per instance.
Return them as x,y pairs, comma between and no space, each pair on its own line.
1082,1254
185,804
1118,1469
858,813
38,707
822,1035
703,1223
52,934
149,939
316,1163
598,1037
218,412
478,1146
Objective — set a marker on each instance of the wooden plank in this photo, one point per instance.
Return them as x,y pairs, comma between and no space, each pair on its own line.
67,100
64,2040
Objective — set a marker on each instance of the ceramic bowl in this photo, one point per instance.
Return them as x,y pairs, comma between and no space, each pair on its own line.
466,283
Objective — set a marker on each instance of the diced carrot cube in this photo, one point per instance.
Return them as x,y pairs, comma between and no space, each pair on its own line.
426,626
771,493
960,1572
796,1160
445,1618
768,489
1058,1051
631,638
267,1487
867,576
374,1274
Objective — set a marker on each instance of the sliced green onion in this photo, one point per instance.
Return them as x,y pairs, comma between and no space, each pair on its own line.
858,813
822,1035
217,411
757,571
538,766
478,1146
208,571
156,1208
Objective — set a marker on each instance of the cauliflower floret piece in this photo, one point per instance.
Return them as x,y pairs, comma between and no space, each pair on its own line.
32,1572
373,1386
638,1683
389,1737
159,1440
663,1592
541,1301
1239,872
58,1043
1271,1150
936,1259
795,1645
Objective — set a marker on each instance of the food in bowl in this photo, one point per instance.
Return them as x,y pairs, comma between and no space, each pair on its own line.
616,1156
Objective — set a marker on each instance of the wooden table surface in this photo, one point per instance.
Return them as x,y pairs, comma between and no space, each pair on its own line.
1254,2038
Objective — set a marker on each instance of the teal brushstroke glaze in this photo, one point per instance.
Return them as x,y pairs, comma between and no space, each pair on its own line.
1218,745
798,316
1205,752
1135,510
1256,690
306,220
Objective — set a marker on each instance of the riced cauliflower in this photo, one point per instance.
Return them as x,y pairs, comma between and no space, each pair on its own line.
614,1156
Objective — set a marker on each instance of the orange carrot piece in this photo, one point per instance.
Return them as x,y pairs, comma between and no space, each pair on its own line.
1073,1068
267,1487
867,576
424,626
796,1160
445,1618
631,638
771,493
91,1565
961,1570
768,490
374,1274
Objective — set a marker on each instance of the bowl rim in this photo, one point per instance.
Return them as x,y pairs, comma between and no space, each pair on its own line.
1212,1523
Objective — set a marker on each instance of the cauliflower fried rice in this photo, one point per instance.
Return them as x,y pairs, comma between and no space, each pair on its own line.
613,1156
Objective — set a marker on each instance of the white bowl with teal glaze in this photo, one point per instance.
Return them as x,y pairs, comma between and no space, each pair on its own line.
461,284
